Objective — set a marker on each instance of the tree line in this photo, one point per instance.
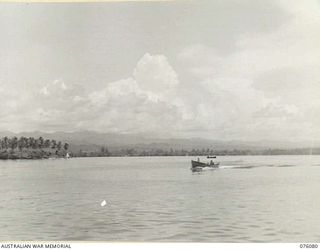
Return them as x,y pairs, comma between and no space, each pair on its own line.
22,142
105,152
31,148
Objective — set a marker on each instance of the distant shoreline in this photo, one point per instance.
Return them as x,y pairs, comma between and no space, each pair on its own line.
29,148
30,155
133,156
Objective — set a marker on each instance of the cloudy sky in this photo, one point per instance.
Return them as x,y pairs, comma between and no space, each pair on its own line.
216,69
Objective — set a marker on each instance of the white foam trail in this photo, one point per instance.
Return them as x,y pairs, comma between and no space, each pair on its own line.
228,166
208,168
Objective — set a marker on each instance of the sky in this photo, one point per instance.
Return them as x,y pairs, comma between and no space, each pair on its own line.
225,70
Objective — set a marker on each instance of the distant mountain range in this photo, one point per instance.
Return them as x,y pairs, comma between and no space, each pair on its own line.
90,140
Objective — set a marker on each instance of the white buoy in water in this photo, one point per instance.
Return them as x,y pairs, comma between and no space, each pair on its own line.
103,203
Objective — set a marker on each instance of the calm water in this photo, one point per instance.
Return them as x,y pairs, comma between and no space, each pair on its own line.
250,199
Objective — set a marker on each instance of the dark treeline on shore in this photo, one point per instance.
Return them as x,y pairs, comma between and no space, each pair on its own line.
41,148
104,152
31,148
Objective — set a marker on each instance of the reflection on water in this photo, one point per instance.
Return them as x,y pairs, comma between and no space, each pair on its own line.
249,199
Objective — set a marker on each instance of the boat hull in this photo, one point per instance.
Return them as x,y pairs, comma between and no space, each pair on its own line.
200,165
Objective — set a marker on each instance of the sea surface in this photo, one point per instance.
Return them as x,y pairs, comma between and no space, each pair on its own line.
159,199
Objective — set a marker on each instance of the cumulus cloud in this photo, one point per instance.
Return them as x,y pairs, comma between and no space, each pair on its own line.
270,85
249,72
148,101
155,74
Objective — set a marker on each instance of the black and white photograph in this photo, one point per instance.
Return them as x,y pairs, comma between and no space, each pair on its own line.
160,121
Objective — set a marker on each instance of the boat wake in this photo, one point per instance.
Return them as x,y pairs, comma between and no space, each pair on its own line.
254,166
209,168
228,166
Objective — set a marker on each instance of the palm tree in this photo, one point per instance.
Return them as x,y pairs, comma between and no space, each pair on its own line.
5,142
21,143
32,142
28,144
14,143
53,144
47,143
40,140
36,143
59,145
